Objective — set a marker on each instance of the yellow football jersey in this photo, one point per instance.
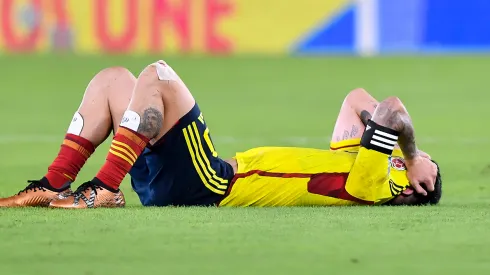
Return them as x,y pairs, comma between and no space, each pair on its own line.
345,175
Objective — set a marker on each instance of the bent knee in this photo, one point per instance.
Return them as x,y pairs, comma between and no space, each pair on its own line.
109,78
113,74
157,71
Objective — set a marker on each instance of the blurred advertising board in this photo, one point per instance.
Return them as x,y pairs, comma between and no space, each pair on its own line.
244,26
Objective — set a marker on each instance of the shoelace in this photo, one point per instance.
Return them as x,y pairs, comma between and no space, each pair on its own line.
33,185
84,187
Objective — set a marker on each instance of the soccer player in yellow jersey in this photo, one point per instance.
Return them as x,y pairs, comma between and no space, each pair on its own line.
161,139
364,165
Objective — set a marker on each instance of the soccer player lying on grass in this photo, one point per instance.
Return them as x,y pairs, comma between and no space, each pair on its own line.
162,141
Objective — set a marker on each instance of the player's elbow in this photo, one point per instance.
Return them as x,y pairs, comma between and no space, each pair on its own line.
392,114
357,95
393,104
358,92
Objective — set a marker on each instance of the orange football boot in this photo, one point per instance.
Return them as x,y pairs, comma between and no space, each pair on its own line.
91,195
34,195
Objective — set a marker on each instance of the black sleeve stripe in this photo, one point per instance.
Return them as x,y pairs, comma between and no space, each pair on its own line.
385,134
384,140
379,138
384,129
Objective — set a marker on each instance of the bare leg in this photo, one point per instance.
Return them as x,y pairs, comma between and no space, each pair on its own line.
104,102
160,98
158,101
105,99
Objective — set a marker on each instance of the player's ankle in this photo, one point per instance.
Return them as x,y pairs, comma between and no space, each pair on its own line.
56,180
105,186
46,184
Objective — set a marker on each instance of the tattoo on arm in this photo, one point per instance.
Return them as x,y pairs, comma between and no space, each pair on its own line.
346,135
354,131
406,140
151,123
365,117
397,118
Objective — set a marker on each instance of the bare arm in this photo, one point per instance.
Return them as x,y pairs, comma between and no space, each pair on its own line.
363,104
392,113
365,110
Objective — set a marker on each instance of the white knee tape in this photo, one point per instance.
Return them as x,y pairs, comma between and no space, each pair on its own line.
76,124
165,72
131,120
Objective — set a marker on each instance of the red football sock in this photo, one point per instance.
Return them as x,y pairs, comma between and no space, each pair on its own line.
126,147
73,154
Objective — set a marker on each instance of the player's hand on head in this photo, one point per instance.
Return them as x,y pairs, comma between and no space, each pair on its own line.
421,172
424,154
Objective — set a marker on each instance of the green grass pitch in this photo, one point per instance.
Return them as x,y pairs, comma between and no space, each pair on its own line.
249,102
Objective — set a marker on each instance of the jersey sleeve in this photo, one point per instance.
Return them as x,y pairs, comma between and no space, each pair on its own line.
369,179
